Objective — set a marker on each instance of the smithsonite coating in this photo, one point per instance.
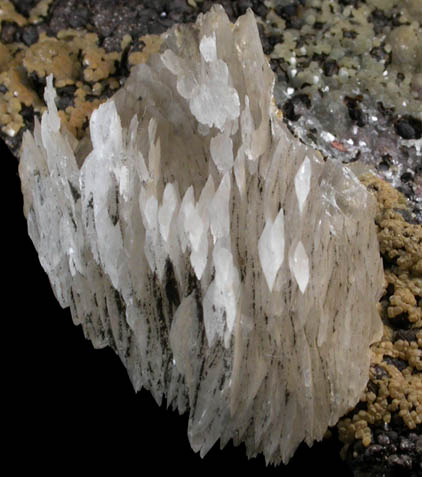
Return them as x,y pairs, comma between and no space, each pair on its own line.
406,44
413,9
358,41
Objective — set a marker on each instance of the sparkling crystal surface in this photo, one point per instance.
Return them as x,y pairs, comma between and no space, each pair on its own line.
234,271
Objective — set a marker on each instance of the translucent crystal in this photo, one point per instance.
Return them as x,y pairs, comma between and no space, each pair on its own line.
271,248
222,152
208,48
299,266
303,182
232,269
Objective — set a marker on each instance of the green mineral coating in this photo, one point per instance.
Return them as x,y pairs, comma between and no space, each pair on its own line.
376,45
406,44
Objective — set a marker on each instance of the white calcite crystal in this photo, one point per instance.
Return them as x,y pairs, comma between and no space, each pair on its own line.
233,269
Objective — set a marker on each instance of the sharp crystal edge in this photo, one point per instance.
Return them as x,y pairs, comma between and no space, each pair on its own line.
233,270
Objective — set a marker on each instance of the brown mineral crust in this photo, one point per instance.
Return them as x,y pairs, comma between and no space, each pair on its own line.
89,47
52,56
18,95
391,407
151,44
9,14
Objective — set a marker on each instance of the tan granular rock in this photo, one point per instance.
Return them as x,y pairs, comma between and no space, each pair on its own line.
395,385
75,117
74,57
53,56
98,64
9,14
39,11
152,45
19,92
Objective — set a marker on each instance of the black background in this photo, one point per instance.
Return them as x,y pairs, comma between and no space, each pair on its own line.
68,406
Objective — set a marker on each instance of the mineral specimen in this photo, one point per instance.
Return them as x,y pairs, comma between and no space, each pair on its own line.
233,269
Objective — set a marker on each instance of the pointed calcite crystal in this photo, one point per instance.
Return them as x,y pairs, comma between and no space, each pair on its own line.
233,269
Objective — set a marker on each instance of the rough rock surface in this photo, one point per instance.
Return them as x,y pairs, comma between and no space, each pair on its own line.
383,434
211,249
350,82
348,72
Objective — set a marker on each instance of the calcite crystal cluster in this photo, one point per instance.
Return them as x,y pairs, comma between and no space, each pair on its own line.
234,270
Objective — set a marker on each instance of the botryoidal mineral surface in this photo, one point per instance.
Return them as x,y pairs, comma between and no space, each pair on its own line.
234,270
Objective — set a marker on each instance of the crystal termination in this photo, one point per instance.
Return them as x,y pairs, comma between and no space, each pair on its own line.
234,270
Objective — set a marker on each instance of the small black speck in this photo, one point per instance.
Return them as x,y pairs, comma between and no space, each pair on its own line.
330,67
350,34
397,362
406,177
9,32
408,127
385,163
30,35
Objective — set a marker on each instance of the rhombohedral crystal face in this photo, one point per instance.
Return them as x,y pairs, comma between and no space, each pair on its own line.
234,270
